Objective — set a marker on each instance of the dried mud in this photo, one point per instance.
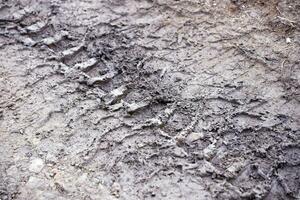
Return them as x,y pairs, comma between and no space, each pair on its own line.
149,99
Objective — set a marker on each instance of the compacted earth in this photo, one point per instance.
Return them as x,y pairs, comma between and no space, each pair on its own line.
149,99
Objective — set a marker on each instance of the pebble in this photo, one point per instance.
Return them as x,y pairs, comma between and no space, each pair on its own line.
36,165
29,42
71,51
209,151
206,168
101,79
36,183
115,95
86,65
179,152
194,136
115,189
56,38
136,106
52,159
235,167
34,28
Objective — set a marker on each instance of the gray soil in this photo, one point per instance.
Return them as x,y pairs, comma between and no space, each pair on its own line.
149,99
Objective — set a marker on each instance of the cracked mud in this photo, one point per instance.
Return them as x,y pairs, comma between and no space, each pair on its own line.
149,99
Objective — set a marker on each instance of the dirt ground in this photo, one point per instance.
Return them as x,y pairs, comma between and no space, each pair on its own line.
149,99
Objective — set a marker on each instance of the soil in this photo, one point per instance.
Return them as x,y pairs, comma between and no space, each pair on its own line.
149,99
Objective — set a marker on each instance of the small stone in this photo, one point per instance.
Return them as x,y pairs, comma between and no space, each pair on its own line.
117,106
194,136
82,179
86,65
36,165
101,79
154,122
70,52
288,40
115,189
46,195
29,42
55,39
136,106
206,168
209,151
119,91
36,183
235,167
19,15
12,171
179,152
115,95
50,158
34,28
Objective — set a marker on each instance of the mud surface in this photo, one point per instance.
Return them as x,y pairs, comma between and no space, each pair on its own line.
149,99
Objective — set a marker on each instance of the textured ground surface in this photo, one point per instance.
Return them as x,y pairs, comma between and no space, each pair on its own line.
149,99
